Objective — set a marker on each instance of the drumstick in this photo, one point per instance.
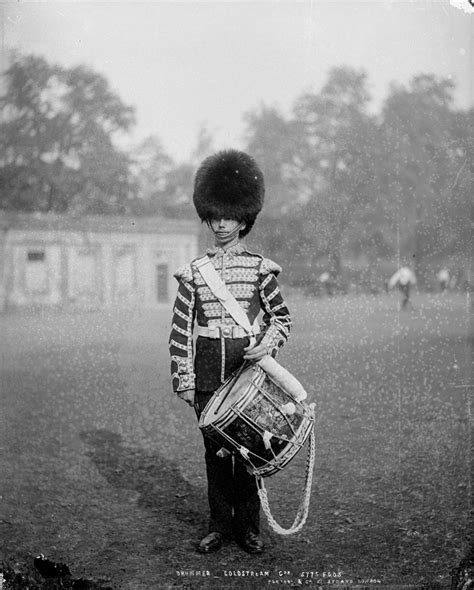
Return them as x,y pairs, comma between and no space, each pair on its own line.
283,378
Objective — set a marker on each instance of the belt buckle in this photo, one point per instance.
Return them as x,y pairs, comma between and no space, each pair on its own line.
213,331
226,331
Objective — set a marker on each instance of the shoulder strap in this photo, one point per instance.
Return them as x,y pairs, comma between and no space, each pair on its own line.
219,289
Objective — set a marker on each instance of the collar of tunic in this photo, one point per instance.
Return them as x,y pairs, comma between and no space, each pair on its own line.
233,250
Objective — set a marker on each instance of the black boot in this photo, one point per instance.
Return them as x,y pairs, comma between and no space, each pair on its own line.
211,542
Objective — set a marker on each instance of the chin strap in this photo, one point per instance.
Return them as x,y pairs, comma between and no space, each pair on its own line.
231,234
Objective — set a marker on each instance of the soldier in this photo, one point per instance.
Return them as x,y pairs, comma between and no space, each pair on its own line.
404,278
228,195
326,281
443,279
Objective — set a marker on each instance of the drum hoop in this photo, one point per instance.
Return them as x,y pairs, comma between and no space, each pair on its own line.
238,446
294,446
230,382
280,461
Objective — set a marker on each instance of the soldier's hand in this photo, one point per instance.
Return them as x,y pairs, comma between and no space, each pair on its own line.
256,352
187,396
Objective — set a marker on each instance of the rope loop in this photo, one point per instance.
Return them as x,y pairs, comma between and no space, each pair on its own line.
303,509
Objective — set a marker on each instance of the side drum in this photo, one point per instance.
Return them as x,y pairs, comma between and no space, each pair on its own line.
253,415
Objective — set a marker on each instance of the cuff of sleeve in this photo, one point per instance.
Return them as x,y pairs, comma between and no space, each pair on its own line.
273,340
186,381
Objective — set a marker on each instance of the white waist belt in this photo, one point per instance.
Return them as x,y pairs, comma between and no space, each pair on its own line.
224,331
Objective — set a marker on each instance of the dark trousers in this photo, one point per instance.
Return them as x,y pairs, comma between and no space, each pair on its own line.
232,491
405,289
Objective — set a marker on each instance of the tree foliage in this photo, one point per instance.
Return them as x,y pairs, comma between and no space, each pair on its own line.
344,187
421,154
165,187
57,150
338,157
275,143
151,166
395,186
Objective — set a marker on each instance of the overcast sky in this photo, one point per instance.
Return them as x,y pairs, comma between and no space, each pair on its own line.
187,64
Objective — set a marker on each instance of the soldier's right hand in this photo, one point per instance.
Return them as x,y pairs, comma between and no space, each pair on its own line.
187,396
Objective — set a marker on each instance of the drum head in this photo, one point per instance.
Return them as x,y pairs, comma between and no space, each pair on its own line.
226,396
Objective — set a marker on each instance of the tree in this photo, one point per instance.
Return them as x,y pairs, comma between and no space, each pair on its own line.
274,142
163,186
204,145
151,167
57,134
338,173
424,146
179,191
461,207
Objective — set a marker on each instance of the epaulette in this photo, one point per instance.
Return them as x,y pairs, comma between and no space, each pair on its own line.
269,266
184,273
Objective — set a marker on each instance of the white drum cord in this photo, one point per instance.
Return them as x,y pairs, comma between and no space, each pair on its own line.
303,509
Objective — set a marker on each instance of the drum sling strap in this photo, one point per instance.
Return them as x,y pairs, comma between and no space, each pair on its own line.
228,301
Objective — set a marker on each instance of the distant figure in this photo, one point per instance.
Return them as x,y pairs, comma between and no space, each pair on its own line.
405,279
443,279
326,281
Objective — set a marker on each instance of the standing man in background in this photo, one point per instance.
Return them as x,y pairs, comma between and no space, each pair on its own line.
405,279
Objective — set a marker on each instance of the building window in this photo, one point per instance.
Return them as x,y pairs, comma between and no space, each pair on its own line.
162,282
36,256
36,272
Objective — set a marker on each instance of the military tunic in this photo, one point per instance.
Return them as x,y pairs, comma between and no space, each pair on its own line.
252,280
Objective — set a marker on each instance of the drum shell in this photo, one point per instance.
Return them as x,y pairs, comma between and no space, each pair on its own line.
257,414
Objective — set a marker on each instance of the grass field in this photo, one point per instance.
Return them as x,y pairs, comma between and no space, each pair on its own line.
102,467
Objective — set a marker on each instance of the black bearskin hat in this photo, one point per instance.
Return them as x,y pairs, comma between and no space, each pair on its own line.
229,185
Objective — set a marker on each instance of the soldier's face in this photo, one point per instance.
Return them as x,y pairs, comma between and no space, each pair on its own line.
226,231
221,226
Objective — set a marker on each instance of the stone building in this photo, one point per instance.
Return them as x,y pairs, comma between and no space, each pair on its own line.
91,261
